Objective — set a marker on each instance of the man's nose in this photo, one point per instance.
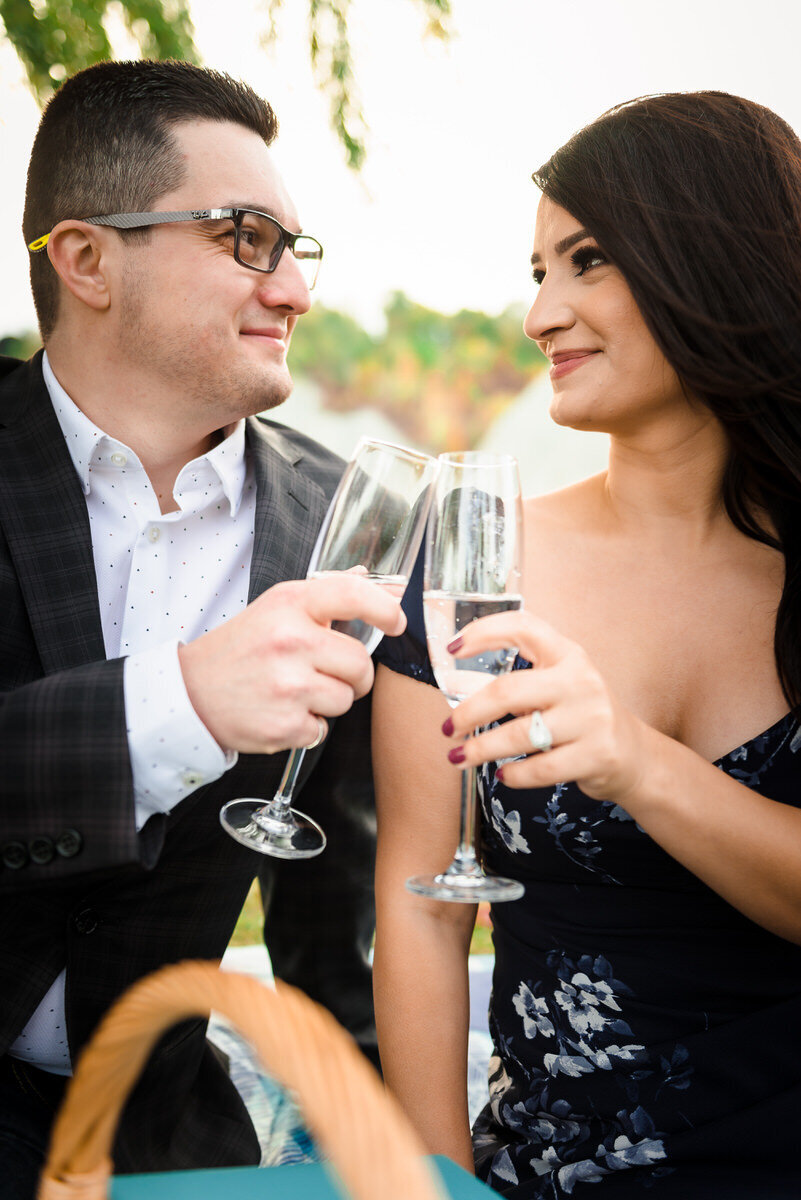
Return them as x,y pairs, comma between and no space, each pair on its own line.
286,286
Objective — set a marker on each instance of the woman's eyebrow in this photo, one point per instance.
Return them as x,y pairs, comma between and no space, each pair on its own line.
565,243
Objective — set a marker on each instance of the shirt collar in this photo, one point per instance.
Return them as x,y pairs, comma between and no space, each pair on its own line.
82,436
228,460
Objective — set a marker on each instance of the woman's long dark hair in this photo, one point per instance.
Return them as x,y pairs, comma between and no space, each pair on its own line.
696,197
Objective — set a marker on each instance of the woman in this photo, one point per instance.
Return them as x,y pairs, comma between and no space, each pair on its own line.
647,989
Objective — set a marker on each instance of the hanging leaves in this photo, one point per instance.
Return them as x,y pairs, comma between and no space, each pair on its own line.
56,38
332,62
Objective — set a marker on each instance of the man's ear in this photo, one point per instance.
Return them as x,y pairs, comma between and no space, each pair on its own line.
80,255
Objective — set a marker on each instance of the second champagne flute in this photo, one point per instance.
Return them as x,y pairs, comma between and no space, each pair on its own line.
375,524
472,570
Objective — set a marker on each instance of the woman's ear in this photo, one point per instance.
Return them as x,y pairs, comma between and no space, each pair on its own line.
79,254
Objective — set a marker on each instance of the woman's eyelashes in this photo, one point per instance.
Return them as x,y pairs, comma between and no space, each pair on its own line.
587,257
583,259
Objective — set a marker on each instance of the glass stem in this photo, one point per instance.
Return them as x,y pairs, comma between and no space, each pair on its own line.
464,860
281,802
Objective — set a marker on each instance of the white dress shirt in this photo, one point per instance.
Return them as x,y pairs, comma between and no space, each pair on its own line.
162,579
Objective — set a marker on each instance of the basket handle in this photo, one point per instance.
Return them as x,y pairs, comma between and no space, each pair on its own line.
356,1123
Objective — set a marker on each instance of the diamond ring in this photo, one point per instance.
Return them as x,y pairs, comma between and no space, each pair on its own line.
539,734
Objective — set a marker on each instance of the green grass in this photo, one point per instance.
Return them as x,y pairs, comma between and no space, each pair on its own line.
249,926
251,920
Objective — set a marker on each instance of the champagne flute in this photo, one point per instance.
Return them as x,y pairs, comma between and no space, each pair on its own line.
374,524
472,569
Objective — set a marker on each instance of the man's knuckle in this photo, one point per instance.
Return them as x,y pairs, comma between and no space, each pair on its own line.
289,639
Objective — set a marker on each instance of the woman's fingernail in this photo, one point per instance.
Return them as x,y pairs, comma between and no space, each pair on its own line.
455,645
457,755
499,773
447,727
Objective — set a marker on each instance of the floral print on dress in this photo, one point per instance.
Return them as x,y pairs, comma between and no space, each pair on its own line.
756,762
507,826
574,837
579,1018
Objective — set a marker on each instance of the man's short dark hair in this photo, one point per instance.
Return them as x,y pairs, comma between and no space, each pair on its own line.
105,145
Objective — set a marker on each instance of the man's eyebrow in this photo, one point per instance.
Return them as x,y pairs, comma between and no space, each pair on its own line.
565,244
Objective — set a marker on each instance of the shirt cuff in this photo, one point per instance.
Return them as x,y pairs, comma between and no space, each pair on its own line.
172,752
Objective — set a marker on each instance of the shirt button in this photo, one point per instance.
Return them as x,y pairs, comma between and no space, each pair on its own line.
119,459
191,779
85,921
154,533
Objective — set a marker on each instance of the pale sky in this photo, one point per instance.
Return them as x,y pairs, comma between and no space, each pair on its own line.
444,209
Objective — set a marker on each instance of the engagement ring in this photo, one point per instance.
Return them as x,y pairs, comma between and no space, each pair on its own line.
538,733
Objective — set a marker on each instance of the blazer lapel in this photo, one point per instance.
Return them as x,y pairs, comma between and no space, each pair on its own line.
289,510
44,518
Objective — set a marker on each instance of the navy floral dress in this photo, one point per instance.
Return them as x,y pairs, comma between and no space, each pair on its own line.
647,1036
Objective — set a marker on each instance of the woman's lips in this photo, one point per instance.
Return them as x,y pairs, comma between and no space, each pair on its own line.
567,361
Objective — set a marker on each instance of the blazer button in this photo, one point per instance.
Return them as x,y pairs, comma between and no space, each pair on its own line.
69,843
42,850
15,855
85,921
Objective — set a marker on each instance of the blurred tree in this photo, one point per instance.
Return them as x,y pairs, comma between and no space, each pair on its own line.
332,62
444,379
20,345
56,38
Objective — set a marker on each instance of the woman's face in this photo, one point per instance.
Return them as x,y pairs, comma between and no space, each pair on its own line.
607,371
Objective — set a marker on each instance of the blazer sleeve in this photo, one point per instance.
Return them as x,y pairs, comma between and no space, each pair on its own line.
66,791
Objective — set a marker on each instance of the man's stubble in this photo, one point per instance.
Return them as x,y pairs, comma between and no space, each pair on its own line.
204,368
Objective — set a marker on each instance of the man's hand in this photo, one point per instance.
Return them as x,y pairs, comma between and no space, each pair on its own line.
259,681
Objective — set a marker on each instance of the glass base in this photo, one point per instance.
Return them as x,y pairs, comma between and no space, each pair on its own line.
296,837
465,887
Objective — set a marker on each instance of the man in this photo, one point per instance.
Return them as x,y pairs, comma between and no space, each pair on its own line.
154,661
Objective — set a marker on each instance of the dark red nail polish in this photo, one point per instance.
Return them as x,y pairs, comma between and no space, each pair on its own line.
455,645
447,728
499,773
457,755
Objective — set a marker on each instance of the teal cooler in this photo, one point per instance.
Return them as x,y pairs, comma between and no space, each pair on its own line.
307,1182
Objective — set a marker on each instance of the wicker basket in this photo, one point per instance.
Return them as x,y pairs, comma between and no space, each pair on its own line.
356,1123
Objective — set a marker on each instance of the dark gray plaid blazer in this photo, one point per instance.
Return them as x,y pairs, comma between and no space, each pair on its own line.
78,886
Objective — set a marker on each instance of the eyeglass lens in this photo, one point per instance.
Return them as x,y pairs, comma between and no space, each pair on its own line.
261,242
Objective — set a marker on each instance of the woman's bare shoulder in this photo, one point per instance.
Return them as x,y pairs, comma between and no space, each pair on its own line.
574,507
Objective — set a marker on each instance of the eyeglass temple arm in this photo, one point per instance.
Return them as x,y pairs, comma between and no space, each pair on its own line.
142,220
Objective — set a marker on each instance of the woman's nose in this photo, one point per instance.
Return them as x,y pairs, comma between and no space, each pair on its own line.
549,313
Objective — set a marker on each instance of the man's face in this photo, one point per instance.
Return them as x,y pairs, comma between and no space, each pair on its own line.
208,335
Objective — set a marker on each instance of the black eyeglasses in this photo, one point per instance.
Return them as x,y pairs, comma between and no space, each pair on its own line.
259,240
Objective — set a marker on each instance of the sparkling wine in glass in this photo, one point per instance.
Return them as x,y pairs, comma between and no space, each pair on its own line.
374,525
472,570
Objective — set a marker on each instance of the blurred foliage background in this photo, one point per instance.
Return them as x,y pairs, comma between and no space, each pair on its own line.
443,379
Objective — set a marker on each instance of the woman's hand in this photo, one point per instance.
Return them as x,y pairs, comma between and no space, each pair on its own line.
596,741
740,843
